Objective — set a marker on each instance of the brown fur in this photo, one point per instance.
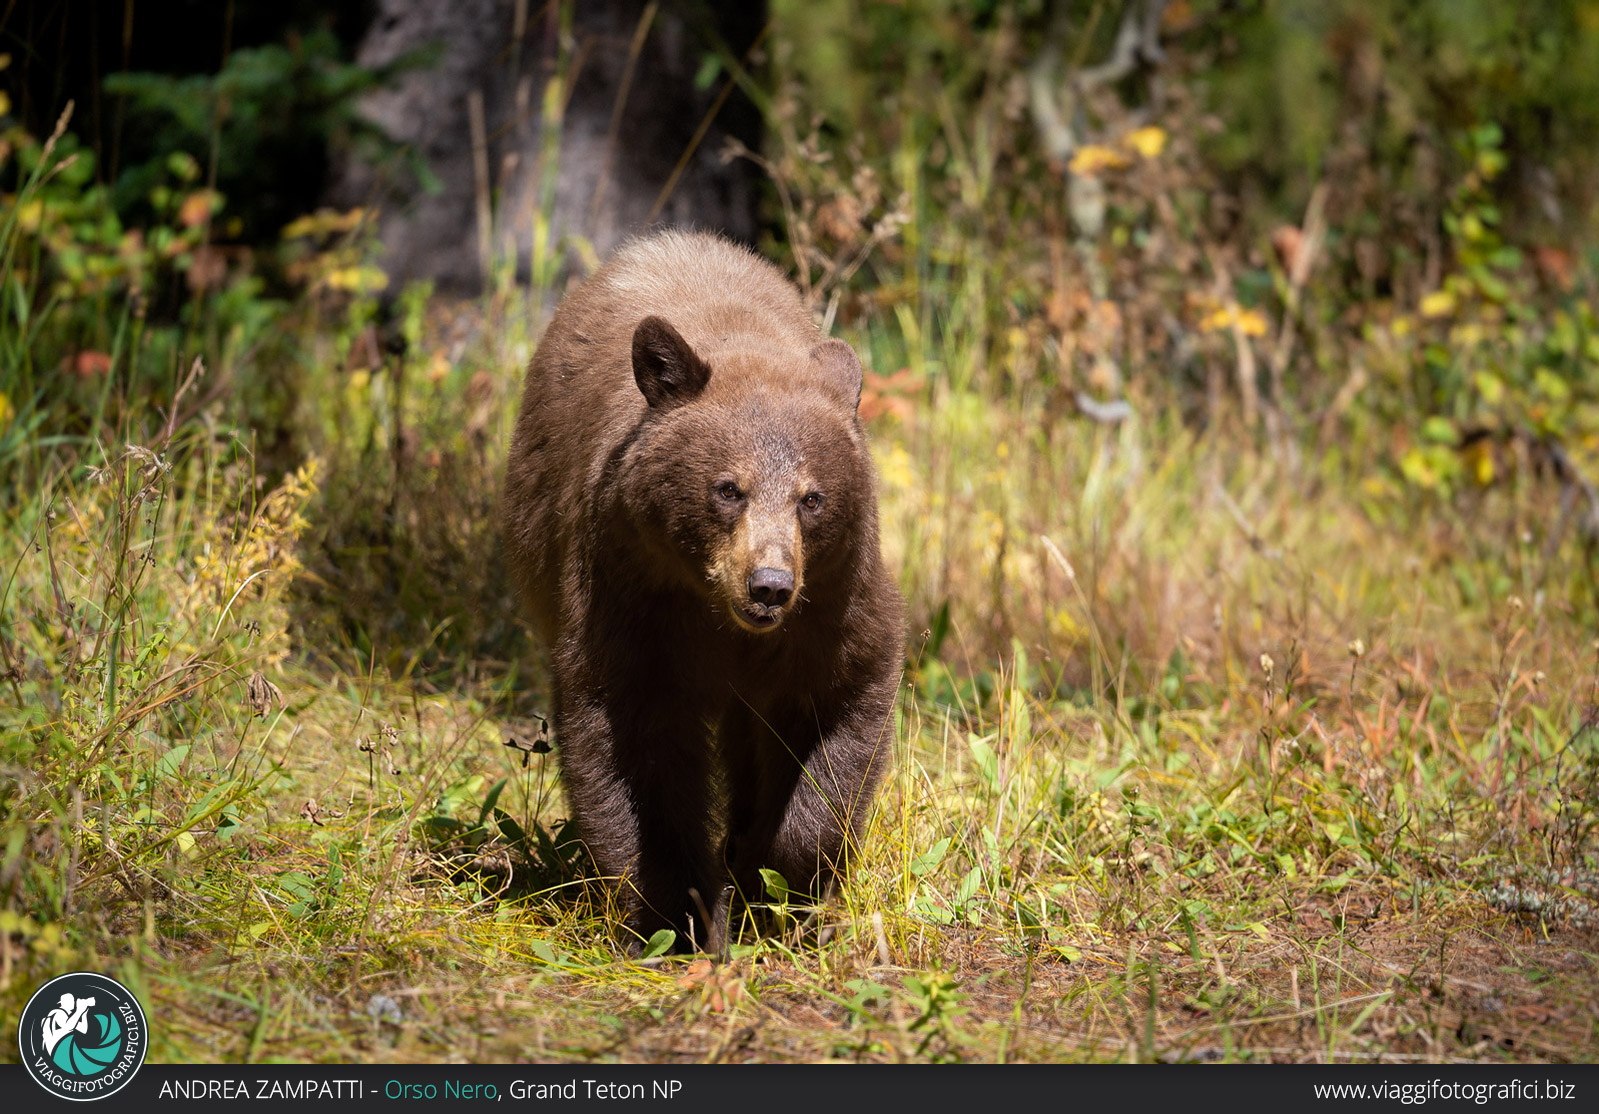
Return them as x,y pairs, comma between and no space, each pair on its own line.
681,409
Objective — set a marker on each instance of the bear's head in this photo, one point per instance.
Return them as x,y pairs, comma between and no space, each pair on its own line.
750,480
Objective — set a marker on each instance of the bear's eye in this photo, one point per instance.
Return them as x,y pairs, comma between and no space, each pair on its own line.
812,501
728,491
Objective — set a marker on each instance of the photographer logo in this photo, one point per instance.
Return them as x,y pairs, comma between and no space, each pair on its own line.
83,1036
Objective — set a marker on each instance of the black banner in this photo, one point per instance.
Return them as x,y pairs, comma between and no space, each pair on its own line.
816,1089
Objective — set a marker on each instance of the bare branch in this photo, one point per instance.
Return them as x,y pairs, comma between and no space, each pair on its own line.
1056,134
1054,104
1106,413
1137,42
1313,231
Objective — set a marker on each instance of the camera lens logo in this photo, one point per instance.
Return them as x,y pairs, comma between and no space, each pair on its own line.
83,1036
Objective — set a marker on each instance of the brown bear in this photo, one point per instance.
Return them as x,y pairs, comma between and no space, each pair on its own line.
690,515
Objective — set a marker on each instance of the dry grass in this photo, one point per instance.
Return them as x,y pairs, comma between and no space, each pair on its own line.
1113,831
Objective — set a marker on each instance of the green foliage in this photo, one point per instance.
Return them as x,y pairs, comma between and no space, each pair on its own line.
145,566
1493,360
262,125
98,316
1440,330
1289,78
658,944
937,1002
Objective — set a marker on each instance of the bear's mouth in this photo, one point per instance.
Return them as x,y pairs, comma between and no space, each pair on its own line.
757,617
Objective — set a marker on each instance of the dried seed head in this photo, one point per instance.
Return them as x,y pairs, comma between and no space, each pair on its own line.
1515,603
261,694
1266,665
1058,557
151,464
1357,648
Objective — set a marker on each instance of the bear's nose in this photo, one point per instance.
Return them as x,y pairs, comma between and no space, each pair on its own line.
771,587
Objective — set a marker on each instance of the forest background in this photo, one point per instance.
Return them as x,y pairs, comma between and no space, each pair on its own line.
1231,374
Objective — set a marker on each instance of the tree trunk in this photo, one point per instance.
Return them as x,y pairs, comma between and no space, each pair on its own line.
480,112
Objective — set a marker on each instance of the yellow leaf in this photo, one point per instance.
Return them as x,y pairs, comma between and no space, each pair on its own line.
1551,385
1482,465
1065,630
7,412
5,103
1430,467
323,222
895,469
1490,386
357,280
1093,159
299,227
1148,142
438,367
1252,322
1439,303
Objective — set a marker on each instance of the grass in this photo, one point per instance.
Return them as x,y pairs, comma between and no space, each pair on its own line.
1212,745
1197,759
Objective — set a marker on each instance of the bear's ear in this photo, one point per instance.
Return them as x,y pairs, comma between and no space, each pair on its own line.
664,366
840,369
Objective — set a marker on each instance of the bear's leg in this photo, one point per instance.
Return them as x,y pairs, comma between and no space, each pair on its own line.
802,787
760,779
675,862
640,793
